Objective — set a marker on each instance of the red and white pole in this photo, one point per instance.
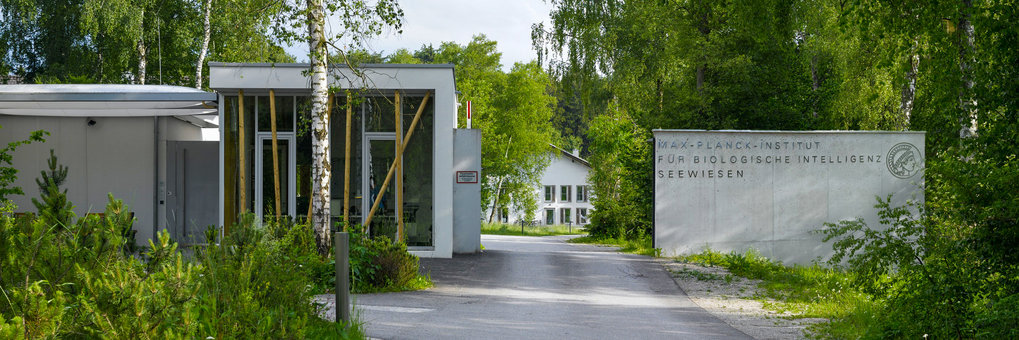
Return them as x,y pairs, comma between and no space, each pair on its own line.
468,114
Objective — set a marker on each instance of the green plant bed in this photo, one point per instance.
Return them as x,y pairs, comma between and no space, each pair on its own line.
515,229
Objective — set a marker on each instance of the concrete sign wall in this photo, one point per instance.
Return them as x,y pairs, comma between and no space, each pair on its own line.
770,190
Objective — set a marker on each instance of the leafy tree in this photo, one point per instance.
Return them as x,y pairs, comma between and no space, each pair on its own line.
132,41
402,56
514,113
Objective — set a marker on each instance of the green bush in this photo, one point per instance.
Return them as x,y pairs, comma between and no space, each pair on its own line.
379,264
80,282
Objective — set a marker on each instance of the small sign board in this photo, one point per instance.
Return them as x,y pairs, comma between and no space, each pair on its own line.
466,177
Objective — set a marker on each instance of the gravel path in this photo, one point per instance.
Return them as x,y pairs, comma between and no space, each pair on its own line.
735,300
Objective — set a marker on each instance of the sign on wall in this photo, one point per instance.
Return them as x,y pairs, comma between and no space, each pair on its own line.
770,190
466,176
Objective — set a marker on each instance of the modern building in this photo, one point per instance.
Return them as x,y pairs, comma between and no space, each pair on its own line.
152,146
385,103
564,196
185,159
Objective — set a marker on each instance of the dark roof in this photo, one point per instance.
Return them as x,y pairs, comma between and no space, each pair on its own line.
572,156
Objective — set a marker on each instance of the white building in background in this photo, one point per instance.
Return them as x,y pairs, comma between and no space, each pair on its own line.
564,195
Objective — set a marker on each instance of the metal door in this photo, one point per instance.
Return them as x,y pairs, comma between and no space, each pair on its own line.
192,192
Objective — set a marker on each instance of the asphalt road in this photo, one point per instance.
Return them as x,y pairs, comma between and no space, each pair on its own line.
541,288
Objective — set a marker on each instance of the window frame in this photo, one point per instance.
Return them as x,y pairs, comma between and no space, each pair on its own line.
549,193
581,193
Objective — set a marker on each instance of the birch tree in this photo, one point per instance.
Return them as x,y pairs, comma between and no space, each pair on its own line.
355,22
206,35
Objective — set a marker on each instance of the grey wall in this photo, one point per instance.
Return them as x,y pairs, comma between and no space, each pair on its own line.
116,156
736,190
467,196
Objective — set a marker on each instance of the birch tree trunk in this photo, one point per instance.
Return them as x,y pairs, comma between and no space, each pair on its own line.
909,89
321,169
141,51
967,100
205,45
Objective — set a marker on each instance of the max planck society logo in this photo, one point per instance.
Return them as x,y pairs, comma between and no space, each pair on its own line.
904,160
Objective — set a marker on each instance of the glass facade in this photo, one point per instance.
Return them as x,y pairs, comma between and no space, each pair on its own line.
373,140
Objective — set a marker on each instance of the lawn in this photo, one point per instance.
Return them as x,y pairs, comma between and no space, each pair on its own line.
541,230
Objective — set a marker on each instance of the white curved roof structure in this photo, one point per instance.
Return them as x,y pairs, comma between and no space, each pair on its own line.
104,100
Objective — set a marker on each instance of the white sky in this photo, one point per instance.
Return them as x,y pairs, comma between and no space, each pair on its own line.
507,22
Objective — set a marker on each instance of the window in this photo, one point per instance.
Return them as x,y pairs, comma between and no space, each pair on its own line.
581,215
564,216
504,215
549,193
549,216
564,193
581,193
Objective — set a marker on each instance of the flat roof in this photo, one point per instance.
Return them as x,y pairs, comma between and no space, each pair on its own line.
104,100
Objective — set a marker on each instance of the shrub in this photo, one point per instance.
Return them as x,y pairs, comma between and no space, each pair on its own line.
379,264
79,282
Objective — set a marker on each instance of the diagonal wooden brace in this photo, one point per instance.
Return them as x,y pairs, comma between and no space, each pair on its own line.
397,160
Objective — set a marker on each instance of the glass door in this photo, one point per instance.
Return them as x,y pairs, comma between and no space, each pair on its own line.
265,186
379,151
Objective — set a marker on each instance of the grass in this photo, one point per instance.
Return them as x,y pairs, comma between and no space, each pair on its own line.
641,246
811,291
510,229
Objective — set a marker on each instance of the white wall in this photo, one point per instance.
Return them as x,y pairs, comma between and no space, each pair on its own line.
562,170
113,156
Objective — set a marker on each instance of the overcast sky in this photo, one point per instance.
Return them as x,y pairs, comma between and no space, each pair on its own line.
508,22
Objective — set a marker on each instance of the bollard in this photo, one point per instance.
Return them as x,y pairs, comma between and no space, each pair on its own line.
341,246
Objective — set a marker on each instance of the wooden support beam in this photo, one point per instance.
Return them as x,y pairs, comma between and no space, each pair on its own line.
399,169
275,152
242,153
399,156
346,165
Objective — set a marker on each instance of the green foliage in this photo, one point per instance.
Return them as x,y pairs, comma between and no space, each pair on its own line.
640,245
514,111
7,172
940,269
536,230
619,172
80,282
54,208
932,278
378,265
810,291
90,41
